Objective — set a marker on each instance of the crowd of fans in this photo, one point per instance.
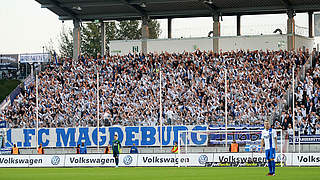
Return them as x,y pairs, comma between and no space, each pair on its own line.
193,89
307,103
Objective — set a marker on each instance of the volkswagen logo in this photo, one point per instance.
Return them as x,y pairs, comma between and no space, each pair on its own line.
127,160
203,159
55,160
283,158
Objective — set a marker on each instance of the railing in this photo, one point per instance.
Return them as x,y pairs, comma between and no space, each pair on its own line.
12,95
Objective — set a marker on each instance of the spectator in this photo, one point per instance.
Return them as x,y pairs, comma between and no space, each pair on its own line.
175,148
234,147
78,149
40,149
107,150
134,149
83,149
15,149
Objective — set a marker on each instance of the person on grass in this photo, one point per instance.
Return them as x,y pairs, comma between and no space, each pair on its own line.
269,141
116,147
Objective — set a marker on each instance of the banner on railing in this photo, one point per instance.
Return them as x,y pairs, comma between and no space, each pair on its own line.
306,139
3,124
9,58
35,58
253,137
71,137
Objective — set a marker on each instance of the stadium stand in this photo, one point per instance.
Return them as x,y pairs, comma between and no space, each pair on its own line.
192,87
307,109
307,101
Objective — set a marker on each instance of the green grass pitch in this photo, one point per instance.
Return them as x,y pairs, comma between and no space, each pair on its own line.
155,173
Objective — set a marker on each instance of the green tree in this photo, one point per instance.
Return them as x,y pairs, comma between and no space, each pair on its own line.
66,43
128,29
49,47
111,33
154,29
91,37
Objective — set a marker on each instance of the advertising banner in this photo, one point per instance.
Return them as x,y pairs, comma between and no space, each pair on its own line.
288,159
306,159
105,160
47,160
159,160
239,158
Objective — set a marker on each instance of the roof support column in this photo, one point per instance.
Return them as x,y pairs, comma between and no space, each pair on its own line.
291,30
103,38
216,32
76,39
310,15
238,25
169,28
145,35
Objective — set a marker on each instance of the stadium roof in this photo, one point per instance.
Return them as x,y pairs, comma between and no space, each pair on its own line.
88,10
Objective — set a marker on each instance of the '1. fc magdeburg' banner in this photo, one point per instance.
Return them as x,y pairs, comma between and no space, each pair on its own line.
71,137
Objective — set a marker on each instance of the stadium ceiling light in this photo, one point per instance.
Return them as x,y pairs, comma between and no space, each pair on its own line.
208,1
77,8
143,5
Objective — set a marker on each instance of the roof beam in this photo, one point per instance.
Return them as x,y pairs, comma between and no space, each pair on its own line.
138,16
56,4
209,4
136,7
197,12
286,3
114,3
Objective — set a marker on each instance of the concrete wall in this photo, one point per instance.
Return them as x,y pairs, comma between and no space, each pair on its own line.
304,42
264,42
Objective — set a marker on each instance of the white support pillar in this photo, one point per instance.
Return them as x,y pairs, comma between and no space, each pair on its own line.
103,38
216,32
76,39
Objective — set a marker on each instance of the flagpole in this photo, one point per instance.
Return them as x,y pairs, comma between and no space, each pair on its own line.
293,118
225,107
37,110
160,107
98,109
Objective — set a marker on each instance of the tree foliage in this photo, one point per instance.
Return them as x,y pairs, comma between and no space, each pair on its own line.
91,37
66,43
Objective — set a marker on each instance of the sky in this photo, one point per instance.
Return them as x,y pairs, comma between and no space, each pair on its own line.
26,27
